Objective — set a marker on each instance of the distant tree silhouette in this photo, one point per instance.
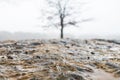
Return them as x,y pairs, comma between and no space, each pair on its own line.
62,14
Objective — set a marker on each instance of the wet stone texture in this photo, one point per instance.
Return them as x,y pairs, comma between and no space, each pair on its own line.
60,60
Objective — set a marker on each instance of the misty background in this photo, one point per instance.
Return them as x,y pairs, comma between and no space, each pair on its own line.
20,19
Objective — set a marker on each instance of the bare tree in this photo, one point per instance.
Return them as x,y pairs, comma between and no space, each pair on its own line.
62,14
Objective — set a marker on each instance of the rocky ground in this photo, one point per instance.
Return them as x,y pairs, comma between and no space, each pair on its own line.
59,60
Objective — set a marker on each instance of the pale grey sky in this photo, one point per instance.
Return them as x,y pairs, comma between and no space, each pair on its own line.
22,16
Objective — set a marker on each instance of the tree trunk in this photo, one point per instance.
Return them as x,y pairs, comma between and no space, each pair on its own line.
62,26
61,34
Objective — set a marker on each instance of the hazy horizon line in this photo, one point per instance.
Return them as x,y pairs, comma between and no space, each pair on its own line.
5,35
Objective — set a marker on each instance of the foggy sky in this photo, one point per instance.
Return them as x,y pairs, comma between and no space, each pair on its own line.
23,16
